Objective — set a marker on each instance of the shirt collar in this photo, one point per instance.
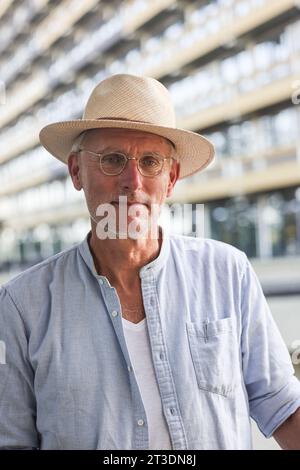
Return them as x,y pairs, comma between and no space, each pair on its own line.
157,264
153,267
86,254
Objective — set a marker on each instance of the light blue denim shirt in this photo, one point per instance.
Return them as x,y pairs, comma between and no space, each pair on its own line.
217,354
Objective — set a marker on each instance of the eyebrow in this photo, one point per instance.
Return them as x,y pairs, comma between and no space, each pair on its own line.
108,149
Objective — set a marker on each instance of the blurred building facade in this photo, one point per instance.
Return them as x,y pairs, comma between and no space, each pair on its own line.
232,68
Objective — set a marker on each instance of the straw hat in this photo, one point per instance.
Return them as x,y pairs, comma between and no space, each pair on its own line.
131,102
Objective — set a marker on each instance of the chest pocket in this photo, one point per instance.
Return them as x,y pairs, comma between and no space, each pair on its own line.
215,354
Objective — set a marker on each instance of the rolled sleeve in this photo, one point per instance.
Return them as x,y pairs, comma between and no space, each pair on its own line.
273,390
17,401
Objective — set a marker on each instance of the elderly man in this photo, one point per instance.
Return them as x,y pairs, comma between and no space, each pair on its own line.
139,342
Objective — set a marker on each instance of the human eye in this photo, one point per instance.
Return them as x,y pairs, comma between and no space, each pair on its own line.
113,159
150,161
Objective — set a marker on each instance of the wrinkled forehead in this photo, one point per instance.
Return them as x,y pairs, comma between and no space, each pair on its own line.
125,139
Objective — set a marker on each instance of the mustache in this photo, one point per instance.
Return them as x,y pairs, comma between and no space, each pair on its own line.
140,198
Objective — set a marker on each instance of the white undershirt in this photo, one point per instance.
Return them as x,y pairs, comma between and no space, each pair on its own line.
138,344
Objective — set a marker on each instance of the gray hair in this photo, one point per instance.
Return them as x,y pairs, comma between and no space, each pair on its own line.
78,141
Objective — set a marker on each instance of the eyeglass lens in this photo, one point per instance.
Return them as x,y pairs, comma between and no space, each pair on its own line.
114,163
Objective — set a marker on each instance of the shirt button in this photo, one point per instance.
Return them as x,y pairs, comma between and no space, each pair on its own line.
114,313
101,281
130,368
161,356
172,411
140,422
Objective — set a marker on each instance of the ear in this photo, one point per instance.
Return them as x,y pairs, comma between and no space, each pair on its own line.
173,177
74,170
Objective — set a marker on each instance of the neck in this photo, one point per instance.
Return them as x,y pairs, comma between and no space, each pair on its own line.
121,260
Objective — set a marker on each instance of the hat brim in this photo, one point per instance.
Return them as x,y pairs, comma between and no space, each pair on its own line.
194,151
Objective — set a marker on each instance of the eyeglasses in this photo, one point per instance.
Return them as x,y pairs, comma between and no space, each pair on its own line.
113,163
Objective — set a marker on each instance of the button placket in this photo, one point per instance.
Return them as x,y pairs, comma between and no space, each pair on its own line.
161,363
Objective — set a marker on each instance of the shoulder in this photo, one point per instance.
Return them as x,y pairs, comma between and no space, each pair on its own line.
33,281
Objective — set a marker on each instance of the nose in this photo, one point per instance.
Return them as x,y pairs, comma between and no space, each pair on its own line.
130,178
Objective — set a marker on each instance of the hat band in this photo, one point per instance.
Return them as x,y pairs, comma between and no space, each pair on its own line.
119,119
129,120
